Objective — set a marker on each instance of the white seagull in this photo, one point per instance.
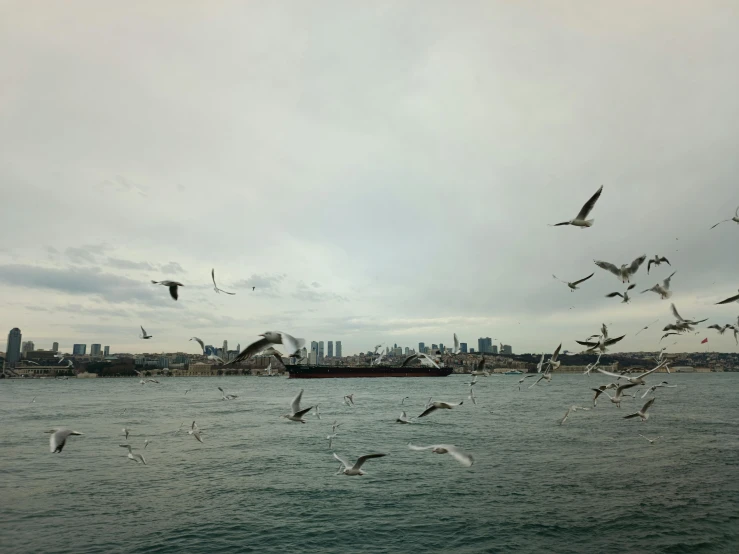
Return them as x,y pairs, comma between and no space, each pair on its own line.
146,443
655,387
600,391
571,409
355,469
618,396
591,367
225,396
195,432
581,218
58,439
317,413
651,441
215,287
296,414
126,432
292,345
643,412
144,335
138,458
172,285
664,289
657,260
349,399
573,284
439,406
638,380
458,454
625,272
735,219
403,418
625,295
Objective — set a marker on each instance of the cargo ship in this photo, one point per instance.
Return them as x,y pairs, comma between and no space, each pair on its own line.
328,372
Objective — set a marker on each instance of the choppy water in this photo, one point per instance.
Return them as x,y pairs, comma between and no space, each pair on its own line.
264,484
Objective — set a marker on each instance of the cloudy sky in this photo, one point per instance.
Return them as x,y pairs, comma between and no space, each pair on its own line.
379,171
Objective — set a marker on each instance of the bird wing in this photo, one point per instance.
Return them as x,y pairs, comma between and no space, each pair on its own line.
173,291
623,387
458,454
250,350
344,462
425,356
200,342
143,330
649,265
674,312
588,206
729,300
663,259
608,267
408,360
586,343
631,415
292,345
213,276
613,341
583,280
556,353
403,415
449,405
636,264
604,372
614,294
362,459
428,410
563,223
295,405
301,413
567,414
666,282
647,405
631,286
719,223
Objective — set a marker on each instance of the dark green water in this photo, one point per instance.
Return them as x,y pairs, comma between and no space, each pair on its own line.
263,484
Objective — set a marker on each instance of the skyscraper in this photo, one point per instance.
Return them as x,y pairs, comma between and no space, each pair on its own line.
485,345
55,347
225,347
494,349
330,352
463,347
338,349
106,351
507,349
13,350
95,350
421,347
27,346
79,349
314,351
320,352
441,347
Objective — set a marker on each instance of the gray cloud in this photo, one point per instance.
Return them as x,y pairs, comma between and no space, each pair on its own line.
268,285
79,255
171,267
118,263
306,293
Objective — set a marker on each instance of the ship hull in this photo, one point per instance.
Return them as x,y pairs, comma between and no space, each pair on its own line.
326,372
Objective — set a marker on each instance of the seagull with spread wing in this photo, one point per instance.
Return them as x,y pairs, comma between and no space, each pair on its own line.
664,289
581,219
573,284
292,345
215,287
735,219
171,285
626,271
657,260
639,379
625,295
352,470
439,406
569,411
144,335
729,300
296,414
457,453
643,412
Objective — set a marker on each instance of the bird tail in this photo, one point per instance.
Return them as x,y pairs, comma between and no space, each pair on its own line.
589,222
155,282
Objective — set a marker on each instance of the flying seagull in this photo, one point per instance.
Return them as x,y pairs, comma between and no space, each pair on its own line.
439,406
58,439
681,324
215,287
225,396
292,345
138,458
403,418
657,260
195,432
126,432
734,219
602,344
581,218
626,271
349,399
600,390
172,285
616,399
143,333
639,379
655,387
569,410
643,412
664,289
573,285
729,300
721,330
355,469
625,295
458,454
651,441
296,414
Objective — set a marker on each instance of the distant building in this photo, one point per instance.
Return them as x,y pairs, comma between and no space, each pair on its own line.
225,347
441,347
463,347
55,347
507,349
472,350
27,346
163,361
434,347
95,350
314,350
422,347
397,351
320,352
494,349
13,349
485,345
338,349
313,357
79,349
106,351
407,350
330,352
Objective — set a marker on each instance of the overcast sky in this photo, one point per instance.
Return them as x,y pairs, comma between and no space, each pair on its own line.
380,171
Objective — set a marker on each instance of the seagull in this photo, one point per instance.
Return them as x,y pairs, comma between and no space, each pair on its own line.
355,469
60,356
146,443
335,426
143,333
188,390
456,453
215,287
472,396
664,289
349,399
625,295
616,399
646,326
551,364
33,400
522,379
625,272
126,432
681,325
439,406
734,219
729,300
643,412
655,387
651,441
657,261
296,414
331,438
195,432
58,439
591,367
70,364
318,413
152,381
403,418
580,220
473,382
573,285
721,330
639,379
292,344
571,409
602,344
172,285
404,399
600,391
138,458
225,396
